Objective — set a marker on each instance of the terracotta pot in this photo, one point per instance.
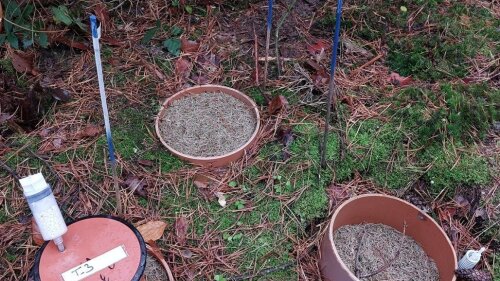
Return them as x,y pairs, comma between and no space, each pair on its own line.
391,211
215,161
86,239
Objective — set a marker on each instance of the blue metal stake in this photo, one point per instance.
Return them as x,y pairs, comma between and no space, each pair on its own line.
331,85
268,37
96,35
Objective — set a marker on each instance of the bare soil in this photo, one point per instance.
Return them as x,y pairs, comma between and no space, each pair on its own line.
383,254
207,124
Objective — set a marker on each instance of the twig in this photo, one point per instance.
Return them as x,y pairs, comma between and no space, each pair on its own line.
356,258
331,103
9,170
382,268
47,164
263,272
390,262
276,36
256,56
32,30
357,70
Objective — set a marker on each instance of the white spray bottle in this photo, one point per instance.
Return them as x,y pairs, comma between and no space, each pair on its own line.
44,208
470,259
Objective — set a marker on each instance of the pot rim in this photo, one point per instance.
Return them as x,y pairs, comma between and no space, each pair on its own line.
339,208
223,89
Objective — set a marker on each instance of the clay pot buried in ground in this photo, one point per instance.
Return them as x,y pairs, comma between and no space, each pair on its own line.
214,161
391,211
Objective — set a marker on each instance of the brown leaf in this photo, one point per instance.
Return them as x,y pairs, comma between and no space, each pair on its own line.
89,131
186,253
319,46
182,67
277,104
153,68
398,80
5,117
136,185
57,143
181,227
70,43
112,41
35,233
102,14
189,46
152,231
23,63
147,163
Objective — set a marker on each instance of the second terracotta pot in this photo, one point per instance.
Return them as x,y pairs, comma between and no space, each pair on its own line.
394,212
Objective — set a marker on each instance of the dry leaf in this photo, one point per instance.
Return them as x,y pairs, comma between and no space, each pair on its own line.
221,198
200,184
89,132
399,80
146,163
182,67
320,46
186,253
277,104
189,46
136,185
23,63
103,15
5,117
35,233
70,43
181,227
152,231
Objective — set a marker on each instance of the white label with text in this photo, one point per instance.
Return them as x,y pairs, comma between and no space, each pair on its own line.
96,264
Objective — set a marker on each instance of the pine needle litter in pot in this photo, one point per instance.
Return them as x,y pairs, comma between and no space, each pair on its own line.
207,124
380,252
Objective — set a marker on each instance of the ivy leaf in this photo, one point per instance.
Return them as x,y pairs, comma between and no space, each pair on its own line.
189,9
43,39
27,42
232,184
12,39
2,38
150,33
173,46
176,31
61,14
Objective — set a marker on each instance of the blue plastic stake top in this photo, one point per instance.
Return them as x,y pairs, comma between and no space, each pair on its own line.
269,14
333,62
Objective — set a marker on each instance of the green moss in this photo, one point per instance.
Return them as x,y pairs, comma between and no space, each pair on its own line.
312,204
452,167
6,65
3,216
465,114
256,94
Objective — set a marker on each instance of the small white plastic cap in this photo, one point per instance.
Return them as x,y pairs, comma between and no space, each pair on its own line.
470,259
33,184
475,256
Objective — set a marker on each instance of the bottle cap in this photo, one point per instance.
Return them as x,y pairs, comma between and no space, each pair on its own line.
33,184
475,256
